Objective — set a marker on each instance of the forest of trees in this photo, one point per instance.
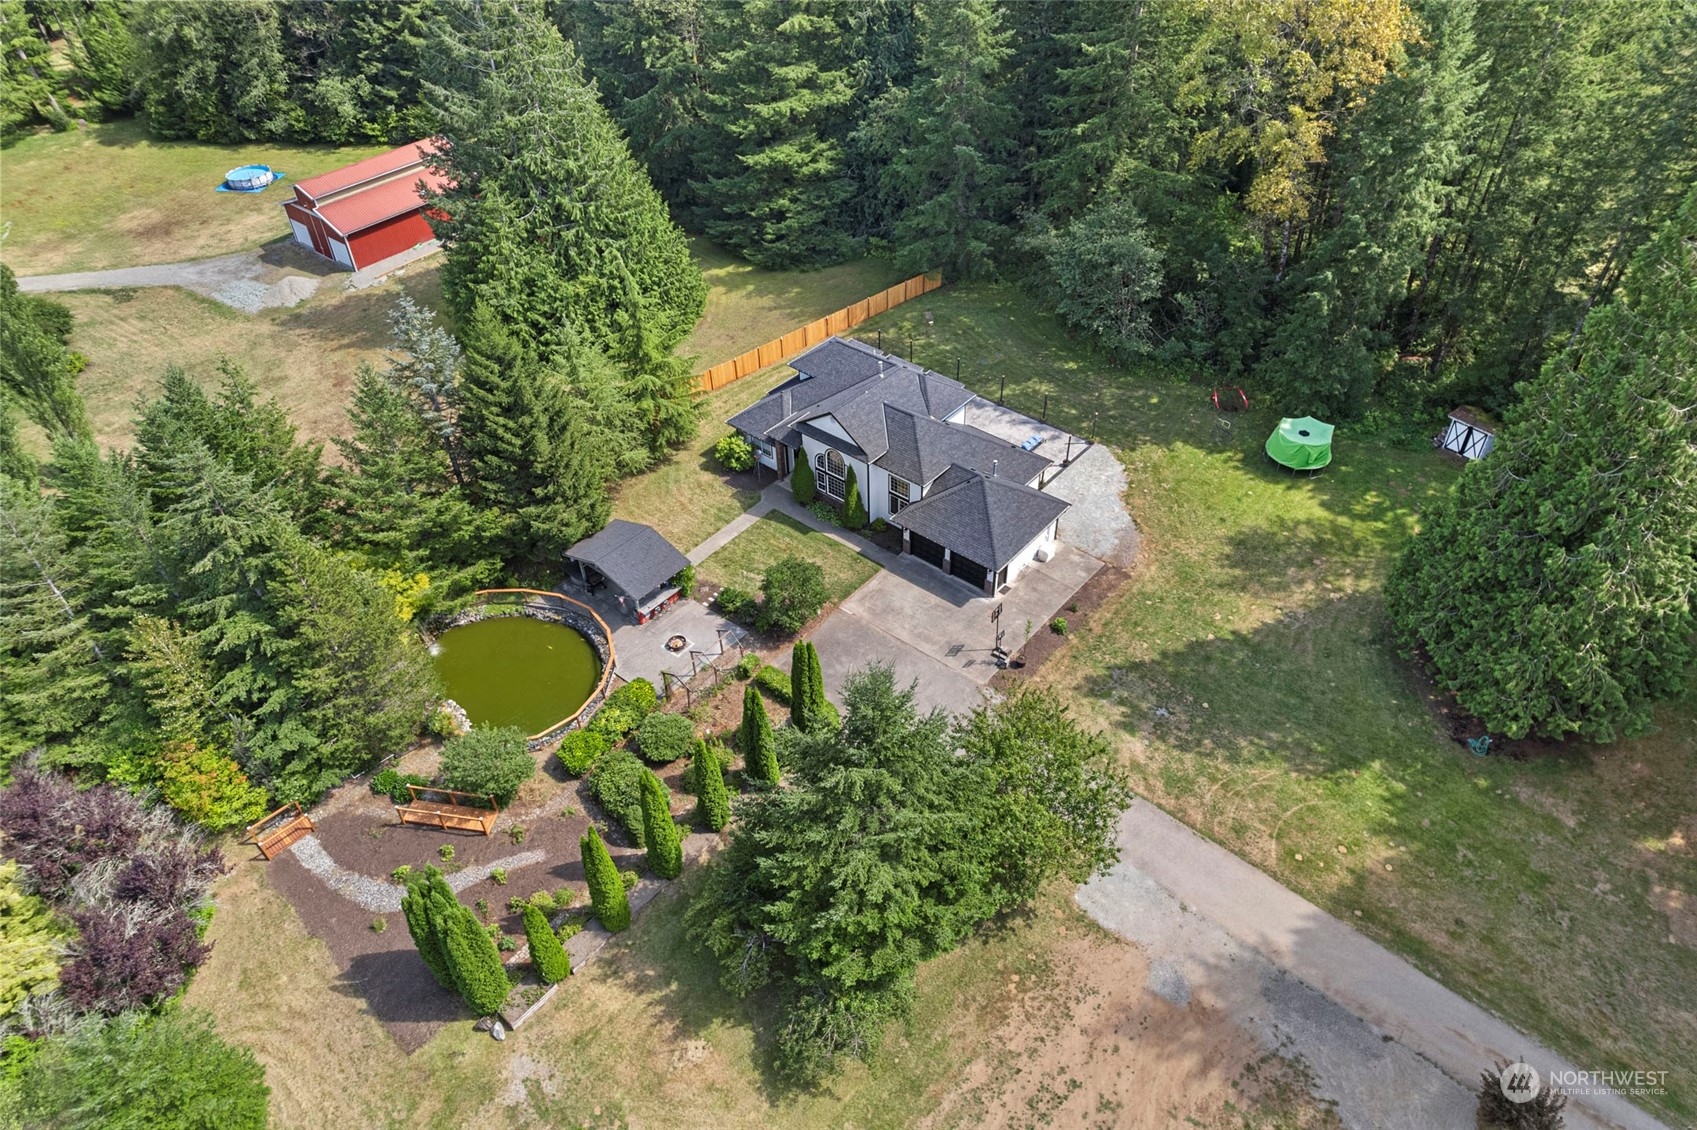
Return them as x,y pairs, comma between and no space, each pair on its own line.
1390,206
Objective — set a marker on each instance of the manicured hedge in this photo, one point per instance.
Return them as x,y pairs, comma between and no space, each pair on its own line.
663,738
665,845
616,784
546,952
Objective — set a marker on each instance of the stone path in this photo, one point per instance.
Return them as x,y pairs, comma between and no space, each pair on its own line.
1389,1045
381,895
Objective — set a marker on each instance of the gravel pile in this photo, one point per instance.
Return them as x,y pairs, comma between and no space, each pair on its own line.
380,895
291,291
242,294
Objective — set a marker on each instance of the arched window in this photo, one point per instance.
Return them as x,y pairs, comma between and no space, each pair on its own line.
830,472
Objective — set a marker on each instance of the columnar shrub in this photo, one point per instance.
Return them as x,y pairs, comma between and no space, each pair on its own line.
493,761
854,510
713,799
802,482
417,906
809,708
581,749
474,960
800,696
607,895
759,747
546,952
616,785
665,844
663,738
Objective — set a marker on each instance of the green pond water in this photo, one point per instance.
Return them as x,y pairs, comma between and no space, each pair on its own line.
515,671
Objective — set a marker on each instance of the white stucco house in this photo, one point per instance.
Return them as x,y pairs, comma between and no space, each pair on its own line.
968,502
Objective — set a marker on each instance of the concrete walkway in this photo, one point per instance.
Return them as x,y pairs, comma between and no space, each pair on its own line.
1388,1044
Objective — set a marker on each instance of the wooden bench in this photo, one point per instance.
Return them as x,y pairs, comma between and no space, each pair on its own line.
274,832
450,813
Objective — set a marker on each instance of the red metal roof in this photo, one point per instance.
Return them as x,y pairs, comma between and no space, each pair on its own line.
359,210
372,167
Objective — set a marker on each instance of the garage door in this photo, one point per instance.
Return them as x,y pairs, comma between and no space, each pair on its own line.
969,570
926,550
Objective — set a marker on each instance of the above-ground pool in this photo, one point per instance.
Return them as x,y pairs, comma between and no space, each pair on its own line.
517,671
249,177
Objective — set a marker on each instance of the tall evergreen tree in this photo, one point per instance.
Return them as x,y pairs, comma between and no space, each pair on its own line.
30,85
781,89
661,388
102,53
1553,590
543,188
1398,156
36,367
713,800
607,895
659,830
958,126
212,72
759,745
530,447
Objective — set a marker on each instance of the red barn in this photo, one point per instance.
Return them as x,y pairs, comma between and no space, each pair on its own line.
367,211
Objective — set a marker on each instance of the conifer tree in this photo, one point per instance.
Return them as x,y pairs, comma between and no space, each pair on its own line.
659,830
530,448
424,889
953,169
713,799
607,896
801,686
803,483
472,958
1552,589
213,72
546,953
661,386
36,367
544,190
781,88
854,510
759,745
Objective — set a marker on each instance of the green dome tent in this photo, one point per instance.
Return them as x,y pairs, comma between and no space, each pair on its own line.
1301,445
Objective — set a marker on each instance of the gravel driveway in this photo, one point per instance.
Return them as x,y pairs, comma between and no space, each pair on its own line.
250,281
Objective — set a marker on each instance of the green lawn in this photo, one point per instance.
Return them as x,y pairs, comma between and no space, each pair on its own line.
110,196
778,535
1551,891
748,306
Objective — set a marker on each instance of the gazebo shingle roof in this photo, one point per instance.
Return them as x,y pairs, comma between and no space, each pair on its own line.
634,557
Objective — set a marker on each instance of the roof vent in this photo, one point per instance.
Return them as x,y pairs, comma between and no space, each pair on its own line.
994,464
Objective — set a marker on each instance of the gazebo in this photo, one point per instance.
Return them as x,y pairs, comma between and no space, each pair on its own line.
1303,444
636,561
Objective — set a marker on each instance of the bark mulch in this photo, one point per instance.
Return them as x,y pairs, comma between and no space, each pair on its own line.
359,830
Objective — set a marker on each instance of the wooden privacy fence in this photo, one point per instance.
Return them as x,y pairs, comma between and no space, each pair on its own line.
275,831
814,332
449,813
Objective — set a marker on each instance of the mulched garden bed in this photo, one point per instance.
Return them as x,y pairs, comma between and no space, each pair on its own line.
1078,612
359,831
1453,719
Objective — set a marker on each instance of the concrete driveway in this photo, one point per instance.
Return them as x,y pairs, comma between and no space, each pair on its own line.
935,629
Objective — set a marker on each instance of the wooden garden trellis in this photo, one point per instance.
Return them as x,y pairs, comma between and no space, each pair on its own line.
814,332
275,831
449,814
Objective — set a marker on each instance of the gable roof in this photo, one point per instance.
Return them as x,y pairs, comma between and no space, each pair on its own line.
372,168
636,558
920,449
853,382
987,519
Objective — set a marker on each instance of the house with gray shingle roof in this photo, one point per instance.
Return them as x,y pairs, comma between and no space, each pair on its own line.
969,502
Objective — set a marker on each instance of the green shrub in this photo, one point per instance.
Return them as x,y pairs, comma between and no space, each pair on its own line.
854,510
209,788
737,604
827,514
629,880
424,891
401,873
734,453
663,738
546,952
665,845
1058,625
879,526
517,833
616,785
638,696
685,581
793,591
475,962
492,761
499,875
748,665
442,724
713,800
759,747
379,924
802,483
394,784
607,891
445,853
775,683
569,930
580,749
164,1072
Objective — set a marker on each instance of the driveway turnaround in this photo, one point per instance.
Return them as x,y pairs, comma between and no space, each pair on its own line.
1389,1045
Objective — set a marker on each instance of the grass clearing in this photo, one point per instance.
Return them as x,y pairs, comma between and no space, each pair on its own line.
111,196
689,497
1547,890
748,306
773,536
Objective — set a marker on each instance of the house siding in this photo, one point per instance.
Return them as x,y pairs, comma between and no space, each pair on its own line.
815,448
1027,557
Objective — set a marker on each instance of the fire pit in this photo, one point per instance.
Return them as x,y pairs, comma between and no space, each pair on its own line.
676,643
